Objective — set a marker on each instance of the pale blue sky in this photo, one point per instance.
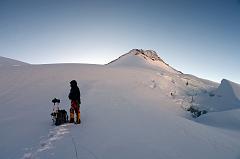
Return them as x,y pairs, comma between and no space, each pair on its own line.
199,37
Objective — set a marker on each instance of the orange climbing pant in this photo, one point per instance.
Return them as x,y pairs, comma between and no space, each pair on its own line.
75,107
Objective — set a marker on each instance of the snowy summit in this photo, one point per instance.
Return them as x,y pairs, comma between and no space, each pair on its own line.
150,54
137,106
148,59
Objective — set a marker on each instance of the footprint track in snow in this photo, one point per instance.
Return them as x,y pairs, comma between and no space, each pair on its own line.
47,143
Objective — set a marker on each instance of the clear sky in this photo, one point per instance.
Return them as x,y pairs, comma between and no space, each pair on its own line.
199,37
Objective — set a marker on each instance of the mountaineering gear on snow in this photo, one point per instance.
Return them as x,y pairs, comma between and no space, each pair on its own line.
55,100
74,96
58,116
61,117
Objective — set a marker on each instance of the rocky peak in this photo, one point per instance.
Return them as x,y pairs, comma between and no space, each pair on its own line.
150,54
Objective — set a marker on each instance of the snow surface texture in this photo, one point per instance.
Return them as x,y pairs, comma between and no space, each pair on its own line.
127,111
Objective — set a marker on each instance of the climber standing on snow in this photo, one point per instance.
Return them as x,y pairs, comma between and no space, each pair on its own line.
74,96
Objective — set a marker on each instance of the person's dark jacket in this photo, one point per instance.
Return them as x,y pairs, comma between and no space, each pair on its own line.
74,92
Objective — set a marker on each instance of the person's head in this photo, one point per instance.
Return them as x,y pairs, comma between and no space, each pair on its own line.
73,83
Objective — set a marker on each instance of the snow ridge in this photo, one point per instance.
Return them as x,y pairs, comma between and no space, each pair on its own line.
229,89
10,62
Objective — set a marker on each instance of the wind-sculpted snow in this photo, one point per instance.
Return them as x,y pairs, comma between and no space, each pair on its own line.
223,98
126,112
229,90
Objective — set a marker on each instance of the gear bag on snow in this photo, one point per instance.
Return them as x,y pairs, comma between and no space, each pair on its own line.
58,116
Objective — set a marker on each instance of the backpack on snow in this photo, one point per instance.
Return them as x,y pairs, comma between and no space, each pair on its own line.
58,116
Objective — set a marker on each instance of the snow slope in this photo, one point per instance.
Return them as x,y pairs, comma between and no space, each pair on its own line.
225,102
127,112
144,59
6,62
